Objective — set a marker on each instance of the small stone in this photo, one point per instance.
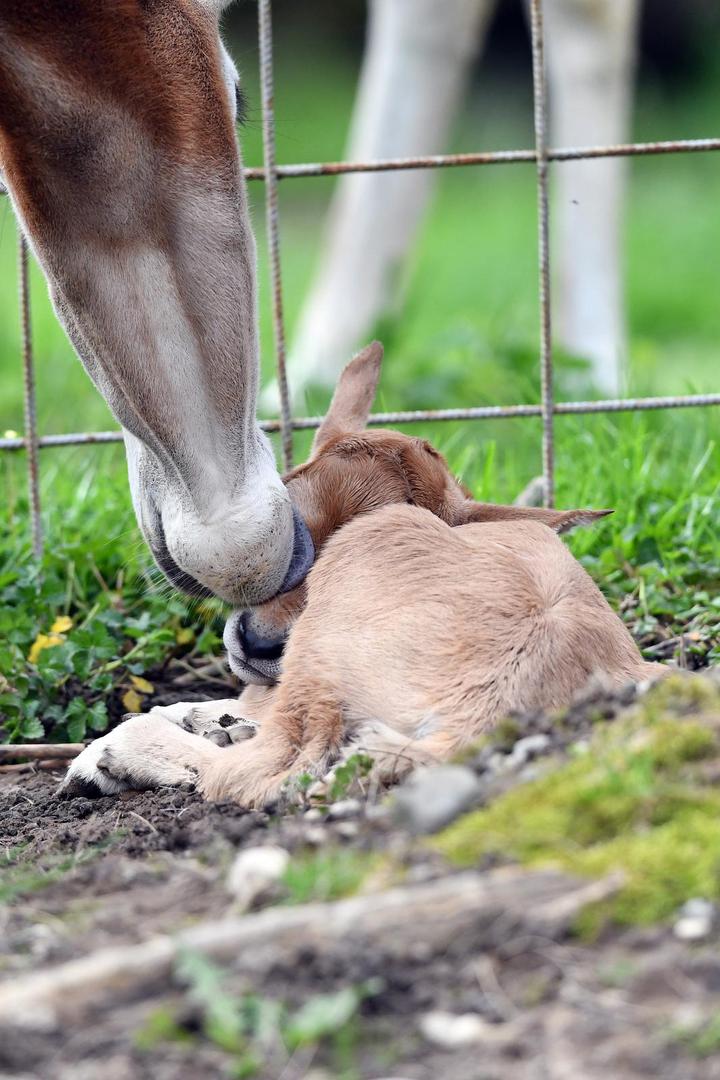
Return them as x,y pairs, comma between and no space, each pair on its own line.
696,921
434,796
528,748
345,808
254,873
451,1031
313,814
347,830
315,836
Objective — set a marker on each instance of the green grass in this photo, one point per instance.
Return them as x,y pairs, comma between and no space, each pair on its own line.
326,875
258,1034
699,1039
657,557
125,620
467,335
22,876
635,799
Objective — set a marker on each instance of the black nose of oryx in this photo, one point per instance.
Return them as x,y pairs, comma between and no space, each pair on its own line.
255,647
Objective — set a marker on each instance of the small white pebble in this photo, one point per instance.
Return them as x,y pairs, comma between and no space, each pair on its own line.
348,830
497,762
315,835
254,872
528,748
451,1031
697,919
691,929
345,808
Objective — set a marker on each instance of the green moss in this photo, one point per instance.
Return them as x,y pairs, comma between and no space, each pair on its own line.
633,801
685,693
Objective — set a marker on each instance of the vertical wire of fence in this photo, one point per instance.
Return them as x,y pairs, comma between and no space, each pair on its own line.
272,218
543,214
29,400
541,155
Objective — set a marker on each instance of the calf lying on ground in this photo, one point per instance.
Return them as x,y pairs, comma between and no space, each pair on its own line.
421,624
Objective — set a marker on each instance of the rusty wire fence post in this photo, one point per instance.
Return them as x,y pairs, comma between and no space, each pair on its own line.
31,441
272,218
543,213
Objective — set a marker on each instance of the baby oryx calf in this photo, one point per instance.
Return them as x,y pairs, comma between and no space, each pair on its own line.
426,618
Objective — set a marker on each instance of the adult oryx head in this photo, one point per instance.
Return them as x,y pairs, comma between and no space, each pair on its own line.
117,144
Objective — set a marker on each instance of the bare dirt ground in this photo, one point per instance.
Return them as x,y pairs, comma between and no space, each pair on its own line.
501,999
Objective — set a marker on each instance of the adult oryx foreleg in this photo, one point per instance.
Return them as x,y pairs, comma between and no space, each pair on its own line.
590,48
415,68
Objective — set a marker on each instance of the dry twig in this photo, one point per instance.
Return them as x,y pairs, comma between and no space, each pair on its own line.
40,751
476,910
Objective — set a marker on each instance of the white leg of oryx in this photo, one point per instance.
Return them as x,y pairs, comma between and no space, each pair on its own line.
590,49
416,61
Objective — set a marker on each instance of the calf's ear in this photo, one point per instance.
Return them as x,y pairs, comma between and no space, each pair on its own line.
561,521
353,397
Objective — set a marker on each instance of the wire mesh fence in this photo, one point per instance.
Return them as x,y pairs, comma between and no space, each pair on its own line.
271,174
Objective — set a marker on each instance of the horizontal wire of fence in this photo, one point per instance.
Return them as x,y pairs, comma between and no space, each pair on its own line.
541,156
305,169
489,157
415,416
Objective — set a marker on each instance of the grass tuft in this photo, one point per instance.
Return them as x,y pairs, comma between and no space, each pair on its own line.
327,875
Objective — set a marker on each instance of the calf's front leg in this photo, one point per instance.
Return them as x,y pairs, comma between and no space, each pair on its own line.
145,751
302,733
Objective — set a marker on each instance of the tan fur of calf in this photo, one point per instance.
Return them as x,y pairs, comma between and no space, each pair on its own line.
416,638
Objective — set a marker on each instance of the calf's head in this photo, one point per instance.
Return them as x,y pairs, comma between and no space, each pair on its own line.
352,471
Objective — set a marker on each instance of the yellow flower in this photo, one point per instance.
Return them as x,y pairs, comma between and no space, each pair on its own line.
43,641
59,628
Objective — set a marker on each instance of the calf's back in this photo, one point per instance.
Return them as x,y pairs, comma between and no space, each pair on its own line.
424,627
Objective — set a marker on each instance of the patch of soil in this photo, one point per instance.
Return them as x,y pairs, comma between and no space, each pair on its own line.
77,875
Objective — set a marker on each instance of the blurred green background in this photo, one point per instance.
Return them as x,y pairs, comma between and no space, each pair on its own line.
468,332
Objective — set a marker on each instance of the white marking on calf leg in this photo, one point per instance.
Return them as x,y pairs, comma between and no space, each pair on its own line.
144,752
223,721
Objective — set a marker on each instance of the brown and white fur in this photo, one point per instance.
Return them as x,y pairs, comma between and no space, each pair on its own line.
118,149
427,618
